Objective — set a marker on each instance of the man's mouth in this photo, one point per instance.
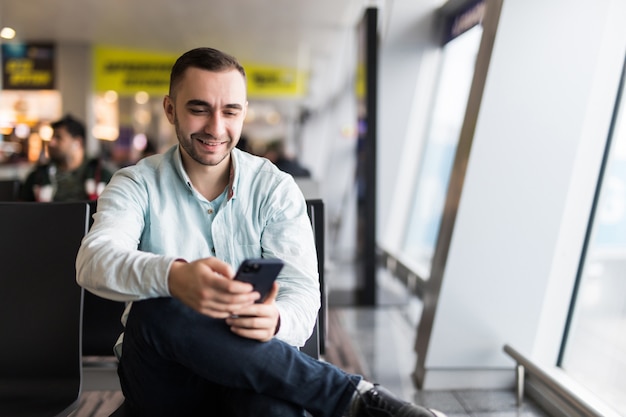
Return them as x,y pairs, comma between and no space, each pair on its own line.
210,142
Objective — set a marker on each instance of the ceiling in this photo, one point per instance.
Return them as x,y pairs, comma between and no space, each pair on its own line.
310,35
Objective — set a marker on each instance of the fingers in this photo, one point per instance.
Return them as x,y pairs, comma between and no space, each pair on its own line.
217,265
258,321
207,286
257,328
222,296
222,306
262,335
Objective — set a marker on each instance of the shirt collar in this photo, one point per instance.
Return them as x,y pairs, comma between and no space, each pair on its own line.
233,176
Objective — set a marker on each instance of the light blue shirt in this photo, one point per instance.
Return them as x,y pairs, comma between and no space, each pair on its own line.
150,215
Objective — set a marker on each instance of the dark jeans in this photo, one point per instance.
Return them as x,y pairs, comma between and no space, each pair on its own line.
177,362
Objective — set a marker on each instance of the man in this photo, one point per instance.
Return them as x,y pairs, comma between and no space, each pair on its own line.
69,176
166,235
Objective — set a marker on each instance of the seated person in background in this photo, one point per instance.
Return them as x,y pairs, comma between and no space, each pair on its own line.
166,236
69,176
275,152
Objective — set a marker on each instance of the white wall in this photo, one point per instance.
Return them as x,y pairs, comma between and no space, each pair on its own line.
74,73
529,185
408,61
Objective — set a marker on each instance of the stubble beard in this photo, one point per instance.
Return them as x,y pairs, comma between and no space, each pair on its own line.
186,142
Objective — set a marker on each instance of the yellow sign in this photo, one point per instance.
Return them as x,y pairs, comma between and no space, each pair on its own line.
268,82
28,66
128,72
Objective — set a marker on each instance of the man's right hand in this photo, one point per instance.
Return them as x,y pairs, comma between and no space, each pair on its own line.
207,286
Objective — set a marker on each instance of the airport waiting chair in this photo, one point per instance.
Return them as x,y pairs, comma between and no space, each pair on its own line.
41,304
315,345
9,190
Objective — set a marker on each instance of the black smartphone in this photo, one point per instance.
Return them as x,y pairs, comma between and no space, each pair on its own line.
261,273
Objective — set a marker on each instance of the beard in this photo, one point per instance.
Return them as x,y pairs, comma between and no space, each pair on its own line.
188,142
57,156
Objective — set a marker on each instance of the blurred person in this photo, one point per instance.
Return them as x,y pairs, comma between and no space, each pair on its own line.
275,152
166,236
149,150
68,175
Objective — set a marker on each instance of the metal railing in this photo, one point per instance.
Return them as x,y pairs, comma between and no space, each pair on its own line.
569,394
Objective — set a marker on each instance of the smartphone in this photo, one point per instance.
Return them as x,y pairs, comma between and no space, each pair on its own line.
261,273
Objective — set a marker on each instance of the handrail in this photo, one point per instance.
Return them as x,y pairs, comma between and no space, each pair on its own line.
584,406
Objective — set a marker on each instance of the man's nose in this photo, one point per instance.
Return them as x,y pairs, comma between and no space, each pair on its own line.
215,125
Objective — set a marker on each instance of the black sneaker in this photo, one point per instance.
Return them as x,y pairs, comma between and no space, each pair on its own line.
379,402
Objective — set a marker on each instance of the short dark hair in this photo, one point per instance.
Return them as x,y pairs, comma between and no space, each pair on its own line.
73,126
209,59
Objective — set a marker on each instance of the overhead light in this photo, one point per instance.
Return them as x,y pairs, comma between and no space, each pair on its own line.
141,97
45,132
22,130
110,96
140,141
7,33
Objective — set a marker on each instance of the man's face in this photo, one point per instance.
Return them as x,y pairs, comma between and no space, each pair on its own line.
62,145
208,109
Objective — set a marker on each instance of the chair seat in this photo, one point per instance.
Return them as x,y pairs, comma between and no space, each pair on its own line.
57,398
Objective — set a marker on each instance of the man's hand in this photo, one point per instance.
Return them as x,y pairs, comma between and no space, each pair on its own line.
257,321
207,286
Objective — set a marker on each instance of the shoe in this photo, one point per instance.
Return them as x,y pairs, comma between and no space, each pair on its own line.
379,402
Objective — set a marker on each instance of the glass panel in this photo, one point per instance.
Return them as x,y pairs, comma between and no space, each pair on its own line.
596,343
459,58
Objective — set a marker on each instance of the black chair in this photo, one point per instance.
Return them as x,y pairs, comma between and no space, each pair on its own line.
41,304
9,190
315,345
101,327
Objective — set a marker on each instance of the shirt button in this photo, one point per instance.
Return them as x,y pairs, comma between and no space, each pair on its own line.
213,250
210,211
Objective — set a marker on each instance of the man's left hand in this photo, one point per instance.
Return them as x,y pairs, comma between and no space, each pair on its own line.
257,321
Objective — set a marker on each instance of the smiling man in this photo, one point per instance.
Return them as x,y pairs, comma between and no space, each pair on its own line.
166,238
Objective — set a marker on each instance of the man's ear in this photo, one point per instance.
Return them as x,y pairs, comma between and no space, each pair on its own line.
168,107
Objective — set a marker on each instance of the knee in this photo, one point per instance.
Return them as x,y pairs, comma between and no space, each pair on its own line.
151,309
154,316
163,319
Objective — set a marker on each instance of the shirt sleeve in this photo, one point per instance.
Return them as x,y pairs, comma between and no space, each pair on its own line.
108,262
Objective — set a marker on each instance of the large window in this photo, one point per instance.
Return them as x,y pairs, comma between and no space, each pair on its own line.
595,346
459,58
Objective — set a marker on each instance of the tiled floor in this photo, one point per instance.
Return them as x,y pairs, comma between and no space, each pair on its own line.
384,339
